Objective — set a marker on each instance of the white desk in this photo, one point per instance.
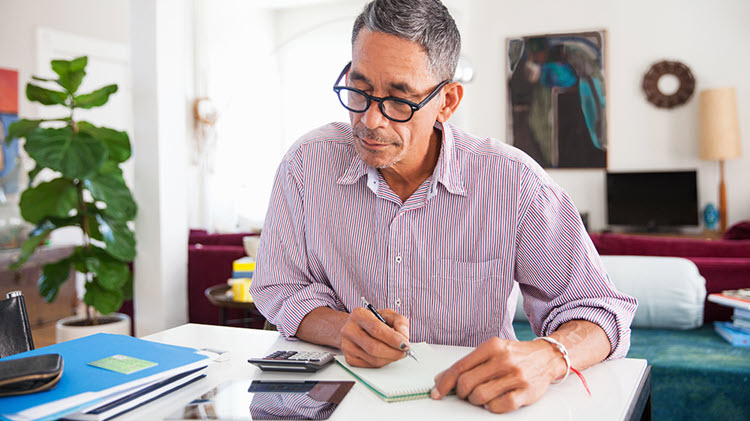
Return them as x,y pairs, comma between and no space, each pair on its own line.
620,388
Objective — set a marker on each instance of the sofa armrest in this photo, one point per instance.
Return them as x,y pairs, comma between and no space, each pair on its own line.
208,266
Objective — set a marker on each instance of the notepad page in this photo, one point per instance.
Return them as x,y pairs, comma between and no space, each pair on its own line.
406,378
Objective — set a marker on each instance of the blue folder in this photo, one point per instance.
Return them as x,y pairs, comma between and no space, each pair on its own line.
79,377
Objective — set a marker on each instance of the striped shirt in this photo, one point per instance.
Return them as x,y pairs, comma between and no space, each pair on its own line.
446,258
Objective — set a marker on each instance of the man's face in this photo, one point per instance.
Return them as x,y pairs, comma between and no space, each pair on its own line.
384,65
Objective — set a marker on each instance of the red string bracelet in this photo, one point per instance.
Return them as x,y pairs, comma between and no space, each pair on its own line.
568,368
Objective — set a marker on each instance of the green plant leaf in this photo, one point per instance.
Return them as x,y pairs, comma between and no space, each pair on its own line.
45,96
103,300
75,155
118,143
21,128
118,238
43,79
78,259
95,99
111,189
53,276
95,231
37,235
71,72
33,173
110,273
127,289
54,198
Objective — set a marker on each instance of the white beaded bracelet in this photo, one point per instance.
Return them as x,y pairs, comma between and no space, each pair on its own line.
564,351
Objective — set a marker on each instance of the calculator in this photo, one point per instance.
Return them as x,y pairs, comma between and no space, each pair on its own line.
299,361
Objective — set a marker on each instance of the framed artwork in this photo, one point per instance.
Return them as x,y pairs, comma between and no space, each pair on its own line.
557,108
9,160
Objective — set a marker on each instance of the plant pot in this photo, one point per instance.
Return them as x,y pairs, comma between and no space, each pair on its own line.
66,328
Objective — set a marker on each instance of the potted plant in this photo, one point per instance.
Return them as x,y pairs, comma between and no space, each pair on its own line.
88,192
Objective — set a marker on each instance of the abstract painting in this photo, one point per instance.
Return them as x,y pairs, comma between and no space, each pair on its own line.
557,99
9,160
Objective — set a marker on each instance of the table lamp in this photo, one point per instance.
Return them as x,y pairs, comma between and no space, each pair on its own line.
719,135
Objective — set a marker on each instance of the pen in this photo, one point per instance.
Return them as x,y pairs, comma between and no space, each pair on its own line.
369,306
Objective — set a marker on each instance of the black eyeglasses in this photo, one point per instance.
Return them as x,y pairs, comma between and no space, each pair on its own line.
393,108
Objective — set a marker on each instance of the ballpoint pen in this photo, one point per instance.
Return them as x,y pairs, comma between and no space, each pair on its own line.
369,306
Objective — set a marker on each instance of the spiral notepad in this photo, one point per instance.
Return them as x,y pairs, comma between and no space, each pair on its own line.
404,379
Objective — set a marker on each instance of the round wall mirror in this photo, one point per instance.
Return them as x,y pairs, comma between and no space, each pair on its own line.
668,84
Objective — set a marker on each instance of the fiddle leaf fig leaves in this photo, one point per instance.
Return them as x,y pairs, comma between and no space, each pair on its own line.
56,198
45,96
117,143
71,73
53,276
111,189
21,128
75,155
118,238
102,299
89,192
95,99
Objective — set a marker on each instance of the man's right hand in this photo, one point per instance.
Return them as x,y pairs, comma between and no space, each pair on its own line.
368,342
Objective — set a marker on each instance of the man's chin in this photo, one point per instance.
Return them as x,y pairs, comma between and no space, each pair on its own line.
375,159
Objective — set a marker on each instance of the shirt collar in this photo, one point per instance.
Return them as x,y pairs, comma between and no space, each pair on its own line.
447,170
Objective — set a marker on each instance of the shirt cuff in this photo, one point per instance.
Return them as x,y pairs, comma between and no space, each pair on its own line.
300,304
611,320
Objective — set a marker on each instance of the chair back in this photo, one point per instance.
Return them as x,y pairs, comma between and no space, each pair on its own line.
15,332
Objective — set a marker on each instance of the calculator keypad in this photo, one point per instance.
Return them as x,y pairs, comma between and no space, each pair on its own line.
302,356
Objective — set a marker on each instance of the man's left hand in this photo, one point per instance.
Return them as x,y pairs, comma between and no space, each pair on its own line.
502,375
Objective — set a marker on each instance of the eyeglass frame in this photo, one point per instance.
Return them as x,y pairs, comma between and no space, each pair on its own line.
413,105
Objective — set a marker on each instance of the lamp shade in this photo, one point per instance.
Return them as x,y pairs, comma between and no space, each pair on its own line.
719,124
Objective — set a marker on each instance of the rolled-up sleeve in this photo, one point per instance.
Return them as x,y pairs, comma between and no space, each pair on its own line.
561,275
283,289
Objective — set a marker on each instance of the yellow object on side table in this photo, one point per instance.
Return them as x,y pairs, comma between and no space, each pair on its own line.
241,289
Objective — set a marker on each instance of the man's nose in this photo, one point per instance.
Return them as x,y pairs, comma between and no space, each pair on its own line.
373,117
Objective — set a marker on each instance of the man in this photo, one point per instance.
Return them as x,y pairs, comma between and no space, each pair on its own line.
431,225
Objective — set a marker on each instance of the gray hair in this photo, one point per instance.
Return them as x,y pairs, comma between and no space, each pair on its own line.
425,22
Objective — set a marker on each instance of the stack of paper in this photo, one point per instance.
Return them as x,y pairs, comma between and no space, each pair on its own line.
102,369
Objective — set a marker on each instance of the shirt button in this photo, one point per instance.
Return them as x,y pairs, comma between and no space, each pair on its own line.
398,302
398,259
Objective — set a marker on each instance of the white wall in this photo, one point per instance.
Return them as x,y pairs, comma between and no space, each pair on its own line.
237,69
709,37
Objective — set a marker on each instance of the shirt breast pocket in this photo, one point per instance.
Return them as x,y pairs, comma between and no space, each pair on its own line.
465,304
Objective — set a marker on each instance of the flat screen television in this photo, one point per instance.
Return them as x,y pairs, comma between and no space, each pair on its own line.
652,200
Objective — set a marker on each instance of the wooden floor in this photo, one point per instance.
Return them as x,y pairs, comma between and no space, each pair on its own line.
43,335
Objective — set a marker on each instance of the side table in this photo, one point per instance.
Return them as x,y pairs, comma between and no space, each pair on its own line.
218,296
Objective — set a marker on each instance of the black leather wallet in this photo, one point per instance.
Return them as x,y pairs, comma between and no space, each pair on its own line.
14,326
31,374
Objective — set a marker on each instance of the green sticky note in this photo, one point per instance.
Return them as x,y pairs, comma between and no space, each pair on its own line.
122,364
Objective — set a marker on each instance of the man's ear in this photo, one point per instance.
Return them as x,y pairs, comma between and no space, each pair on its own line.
454,92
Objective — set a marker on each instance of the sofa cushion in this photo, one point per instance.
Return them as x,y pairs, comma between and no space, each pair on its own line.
669,290
738,231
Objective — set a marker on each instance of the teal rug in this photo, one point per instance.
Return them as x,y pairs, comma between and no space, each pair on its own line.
696,375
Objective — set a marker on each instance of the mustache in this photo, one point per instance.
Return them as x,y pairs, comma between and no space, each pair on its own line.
363,132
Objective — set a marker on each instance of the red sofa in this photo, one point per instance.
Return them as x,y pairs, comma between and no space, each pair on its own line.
210,258
725,264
